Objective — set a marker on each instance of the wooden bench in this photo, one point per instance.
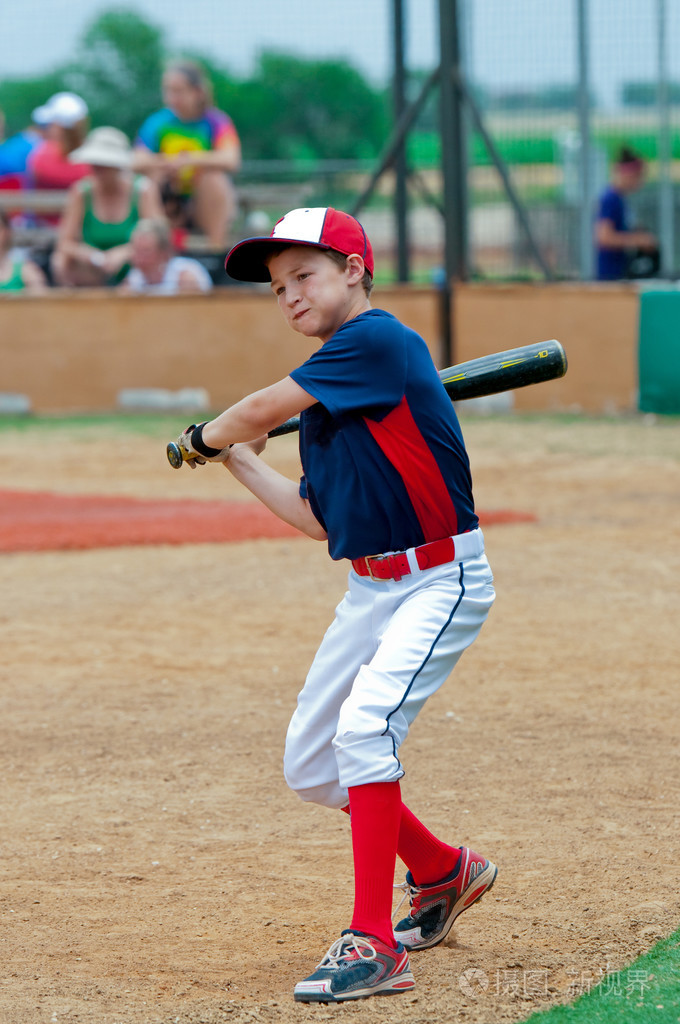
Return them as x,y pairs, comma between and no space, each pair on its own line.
274,196
32,200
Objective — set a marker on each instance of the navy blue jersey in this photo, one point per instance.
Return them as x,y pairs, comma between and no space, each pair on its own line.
384,463
612,263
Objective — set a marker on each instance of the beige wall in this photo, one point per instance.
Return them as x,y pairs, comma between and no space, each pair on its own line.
73,352
596,324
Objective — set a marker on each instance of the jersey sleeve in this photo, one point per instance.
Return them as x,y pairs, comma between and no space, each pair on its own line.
306,492
362,367
149,135
14,153
611,208
222,129
51,170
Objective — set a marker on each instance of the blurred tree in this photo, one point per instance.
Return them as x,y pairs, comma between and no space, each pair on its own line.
20,96
428,119
289,108
118,68
294,108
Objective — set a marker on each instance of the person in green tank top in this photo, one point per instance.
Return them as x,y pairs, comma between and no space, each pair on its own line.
93,243
16,274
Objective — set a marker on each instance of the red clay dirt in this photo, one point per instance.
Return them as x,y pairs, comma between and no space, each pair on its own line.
47,521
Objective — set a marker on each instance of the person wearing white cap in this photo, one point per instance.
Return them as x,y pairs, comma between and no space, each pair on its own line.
102,209
64,108
64,118
15,151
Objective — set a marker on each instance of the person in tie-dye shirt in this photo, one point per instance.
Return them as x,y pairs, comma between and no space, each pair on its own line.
191,149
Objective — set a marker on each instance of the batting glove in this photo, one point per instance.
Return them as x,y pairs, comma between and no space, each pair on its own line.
195,451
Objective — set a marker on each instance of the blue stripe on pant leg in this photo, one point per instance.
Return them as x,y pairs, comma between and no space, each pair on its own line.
423,664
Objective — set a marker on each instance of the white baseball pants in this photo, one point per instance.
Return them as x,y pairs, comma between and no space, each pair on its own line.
392,644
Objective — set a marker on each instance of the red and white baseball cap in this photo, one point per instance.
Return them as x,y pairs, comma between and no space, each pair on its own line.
320,227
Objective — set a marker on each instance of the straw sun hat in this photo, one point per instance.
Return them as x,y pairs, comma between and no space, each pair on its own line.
104,147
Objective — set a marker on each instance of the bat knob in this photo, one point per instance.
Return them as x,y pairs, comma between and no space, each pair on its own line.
174,453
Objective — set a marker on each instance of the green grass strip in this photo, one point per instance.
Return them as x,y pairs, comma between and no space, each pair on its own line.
645,992
151,424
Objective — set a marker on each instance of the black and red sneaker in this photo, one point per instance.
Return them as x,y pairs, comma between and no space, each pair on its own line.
356,966
434,908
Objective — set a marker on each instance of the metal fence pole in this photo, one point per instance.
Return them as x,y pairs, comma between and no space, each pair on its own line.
453,143
504,174
454,183
585,162
400,164
665,210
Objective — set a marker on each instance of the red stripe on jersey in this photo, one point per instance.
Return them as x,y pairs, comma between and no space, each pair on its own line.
402,443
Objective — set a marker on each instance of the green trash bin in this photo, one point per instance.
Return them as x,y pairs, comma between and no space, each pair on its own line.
659,352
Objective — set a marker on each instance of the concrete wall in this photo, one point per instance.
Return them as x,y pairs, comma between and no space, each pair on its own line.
74,351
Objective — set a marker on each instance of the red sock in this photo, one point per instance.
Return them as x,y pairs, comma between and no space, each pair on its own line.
427,858
375,817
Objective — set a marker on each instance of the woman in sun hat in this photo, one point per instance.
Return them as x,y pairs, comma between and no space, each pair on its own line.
93,246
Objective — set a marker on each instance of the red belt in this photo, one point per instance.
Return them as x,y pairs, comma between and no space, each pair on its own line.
393,567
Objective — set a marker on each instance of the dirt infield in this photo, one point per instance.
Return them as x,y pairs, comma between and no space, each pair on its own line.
155,868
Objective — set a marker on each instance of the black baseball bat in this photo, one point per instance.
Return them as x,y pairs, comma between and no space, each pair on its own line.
489,375
486,375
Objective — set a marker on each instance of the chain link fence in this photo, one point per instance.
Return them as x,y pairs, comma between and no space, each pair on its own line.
563,86
560,87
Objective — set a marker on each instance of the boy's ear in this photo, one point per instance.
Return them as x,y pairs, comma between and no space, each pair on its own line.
355,266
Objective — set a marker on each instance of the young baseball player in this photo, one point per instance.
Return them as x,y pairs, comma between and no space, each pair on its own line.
386,482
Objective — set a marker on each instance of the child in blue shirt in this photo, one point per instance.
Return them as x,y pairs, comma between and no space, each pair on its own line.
386,483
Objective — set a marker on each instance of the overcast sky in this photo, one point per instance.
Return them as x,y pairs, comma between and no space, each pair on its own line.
515,43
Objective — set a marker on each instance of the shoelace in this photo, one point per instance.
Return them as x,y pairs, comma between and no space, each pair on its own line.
343,947
410,892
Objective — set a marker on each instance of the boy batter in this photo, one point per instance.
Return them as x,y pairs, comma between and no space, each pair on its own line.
387,483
